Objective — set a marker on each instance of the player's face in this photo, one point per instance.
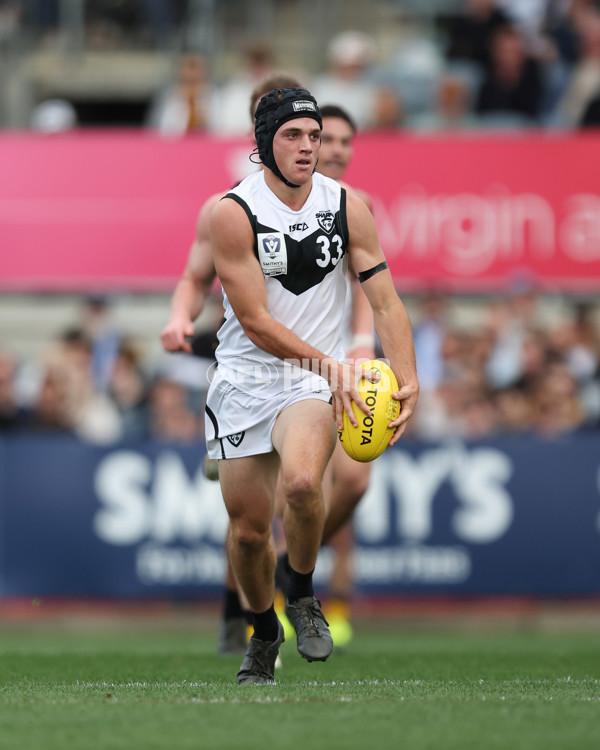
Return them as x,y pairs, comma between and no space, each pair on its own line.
336,147
296,149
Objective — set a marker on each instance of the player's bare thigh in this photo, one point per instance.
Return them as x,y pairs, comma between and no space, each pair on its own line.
248,487
304,435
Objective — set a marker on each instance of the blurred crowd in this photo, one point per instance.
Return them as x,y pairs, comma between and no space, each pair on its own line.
493,64
514,372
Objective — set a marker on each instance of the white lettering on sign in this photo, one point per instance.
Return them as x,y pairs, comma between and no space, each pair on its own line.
580,232
157,500
477,478
467,232
179,521
405,564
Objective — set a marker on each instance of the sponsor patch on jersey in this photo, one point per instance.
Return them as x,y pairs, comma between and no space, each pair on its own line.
236,438
326,220
303,105
272,253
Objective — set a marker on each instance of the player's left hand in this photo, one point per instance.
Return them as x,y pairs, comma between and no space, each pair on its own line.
407,395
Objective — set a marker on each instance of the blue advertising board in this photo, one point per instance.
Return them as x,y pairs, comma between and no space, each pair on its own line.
519,516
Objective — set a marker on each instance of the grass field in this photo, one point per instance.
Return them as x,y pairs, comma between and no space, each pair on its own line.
392,688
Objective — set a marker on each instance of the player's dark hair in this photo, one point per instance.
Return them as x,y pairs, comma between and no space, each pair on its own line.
332,110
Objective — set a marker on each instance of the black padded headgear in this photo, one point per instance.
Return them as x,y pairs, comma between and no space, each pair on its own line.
274,109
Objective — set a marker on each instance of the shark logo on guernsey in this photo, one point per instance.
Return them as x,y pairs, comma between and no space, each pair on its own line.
236,438
326,220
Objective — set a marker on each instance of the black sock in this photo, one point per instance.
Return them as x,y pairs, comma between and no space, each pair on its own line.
233,607
300,585
266,627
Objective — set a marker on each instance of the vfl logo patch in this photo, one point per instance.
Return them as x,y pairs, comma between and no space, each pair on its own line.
303,106
271,244
272,253
326,220
236,439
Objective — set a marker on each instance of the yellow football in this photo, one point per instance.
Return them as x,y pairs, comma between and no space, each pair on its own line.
371,436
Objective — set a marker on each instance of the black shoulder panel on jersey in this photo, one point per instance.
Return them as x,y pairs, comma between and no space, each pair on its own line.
251,217
244,205
344,217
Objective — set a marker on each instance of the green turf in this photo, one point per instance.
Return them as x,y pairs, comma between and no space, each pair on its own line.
389,689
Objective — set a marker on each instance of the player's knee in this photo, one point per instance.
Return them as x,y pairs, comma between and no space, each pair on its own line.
302,490
250,538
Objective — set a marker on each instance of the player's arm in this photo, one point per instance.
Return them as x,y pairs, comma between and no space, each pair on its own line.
194,286
239,271
390,317
362,343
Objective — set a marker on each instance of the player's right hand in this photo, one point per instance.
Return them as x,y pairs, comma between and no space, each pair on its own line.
177,335
343,378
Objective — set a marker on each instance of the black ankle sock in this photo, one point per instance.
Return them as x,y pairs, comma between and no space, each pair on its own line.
266,627
300,585
233,607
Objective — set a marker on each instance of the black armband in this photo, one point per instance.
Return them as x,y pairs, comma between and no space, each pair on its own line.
364,275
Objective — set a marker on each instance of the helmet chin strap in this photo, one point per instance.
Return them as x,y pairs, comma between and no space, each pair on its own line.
272,165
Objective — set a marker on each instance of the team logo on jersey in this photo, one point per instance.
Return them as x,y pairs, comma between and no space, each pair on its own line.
326,220
272,253
236,439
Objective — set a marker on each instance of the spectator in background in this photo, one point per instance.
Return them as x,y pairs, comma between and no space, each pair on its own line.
104,337
50,411
513,83
412,74
170,417
556,407
429,334
514,411
231,99
389,110
185,105
470,34
563,27
510,320
591,116
452,108
53,116
584,84
529,17
348,83
577,344
129,391
11,413
91,413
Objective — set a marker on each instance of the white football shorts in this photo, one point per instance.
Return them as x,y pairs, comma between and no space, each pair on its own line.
240,424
